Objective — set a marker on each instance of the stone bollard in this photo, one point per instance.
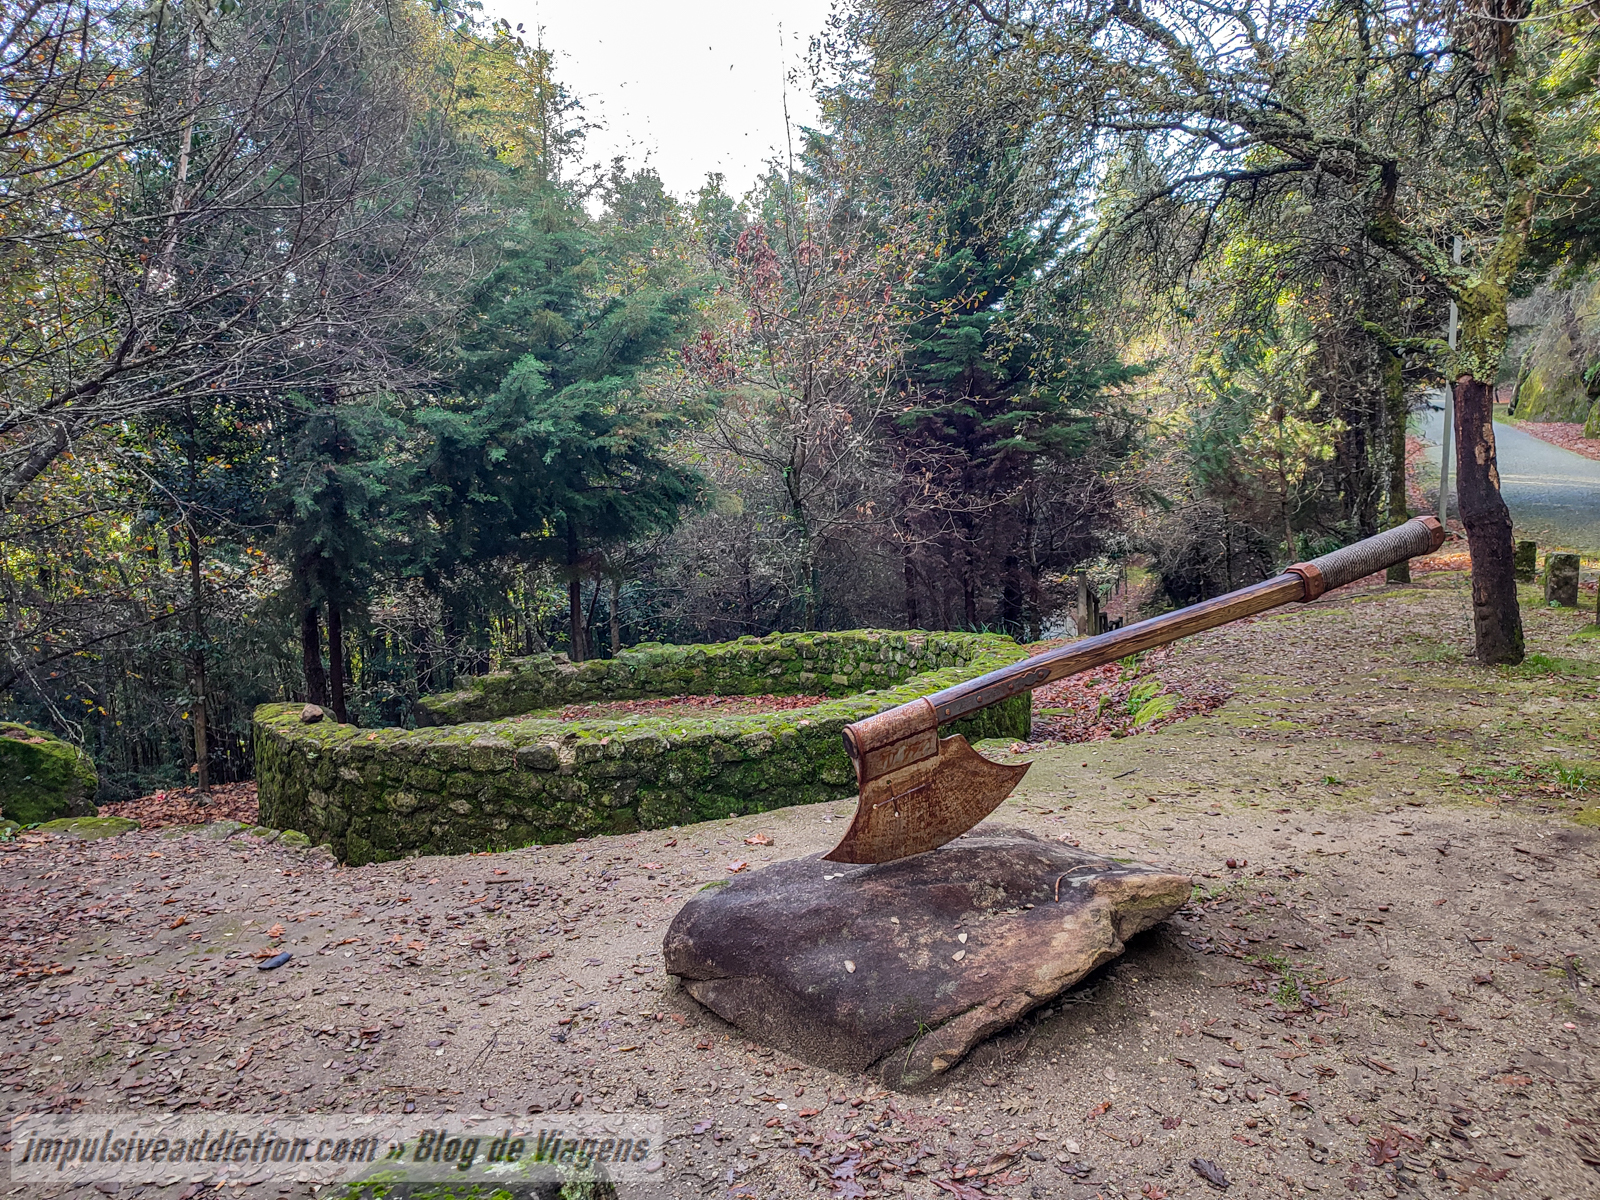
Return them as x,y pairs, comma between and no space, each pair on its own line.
1525,562
1561,580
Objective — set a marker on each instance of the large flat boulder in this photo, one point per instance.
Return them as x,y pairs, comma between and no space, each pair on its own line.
43,778
903,967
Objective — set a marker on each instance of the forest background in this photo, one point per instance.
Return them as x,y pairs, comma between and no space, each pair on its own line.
332,368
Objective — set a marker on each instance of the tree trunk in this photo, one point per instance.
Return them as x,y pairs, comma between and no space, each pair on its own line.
947,548
311,656
1284,495
969,585
808,561
202,774
448,631
336,663
616,617
588,624
747,596
908,571
1033,621
1011,620
1227,552
575,618
1496,617
574,597
1399,508
808,616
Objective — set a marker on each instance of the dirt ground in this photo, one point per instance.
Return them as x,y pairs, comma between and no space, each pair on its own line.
1389,993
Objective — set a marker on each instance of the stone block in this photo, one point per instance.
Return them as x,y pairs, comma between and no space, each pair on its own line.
404,803
537,757
425,779
1561,579
1525,561
489,753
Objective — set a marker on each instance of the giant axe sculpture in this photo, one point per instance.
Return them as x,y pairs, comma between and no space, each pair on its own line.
918,790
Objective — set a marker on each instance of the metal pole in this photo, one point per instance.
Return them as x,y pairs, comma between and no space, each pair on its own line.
1449,409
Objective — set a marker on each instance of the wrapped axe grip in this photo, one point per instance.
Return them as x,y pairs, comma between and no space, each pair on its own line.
869,739
1421,535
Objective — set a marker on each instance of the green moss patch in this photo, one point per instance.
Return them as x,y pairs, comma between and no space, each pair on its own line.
823,664
88,828
681,708
43,778
495,784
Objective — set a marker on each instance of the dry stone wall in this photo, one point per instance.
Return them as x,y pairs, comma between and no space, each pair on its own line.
484,775
818,664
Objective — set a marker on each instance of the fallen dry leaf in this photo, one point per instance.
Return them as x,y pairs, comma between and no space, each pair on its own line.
1382,1150
961,1191
1210,1172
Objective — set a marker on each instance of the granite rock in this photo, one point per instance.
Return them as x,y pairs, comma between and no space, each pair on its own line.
901,968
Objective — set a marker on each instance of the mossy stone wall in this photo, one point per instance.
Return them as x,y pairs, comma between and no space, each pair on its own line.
819,664
451,788
43,778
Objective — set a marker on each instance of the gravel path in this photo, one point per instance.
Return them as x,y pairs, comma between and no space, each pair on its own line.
1390,992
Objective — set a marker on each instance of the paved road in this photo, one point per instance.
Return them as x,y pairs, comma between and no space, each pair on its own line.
1553,494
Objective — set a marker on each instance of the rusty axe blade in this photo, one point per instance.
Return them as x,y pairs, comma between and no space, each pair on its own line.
917,790
925,804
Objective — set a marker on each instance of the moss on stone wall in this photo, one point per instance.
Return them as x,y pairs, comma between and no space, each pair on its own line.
89,829
781,664
43,778
491,784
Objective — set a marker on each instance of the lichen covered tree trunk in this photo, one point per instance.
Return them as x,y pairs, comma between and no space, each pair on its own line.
1485,325
1496,616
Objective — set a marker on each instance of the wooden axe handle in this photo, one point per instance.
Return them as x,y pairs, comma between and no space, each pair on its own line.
1301,582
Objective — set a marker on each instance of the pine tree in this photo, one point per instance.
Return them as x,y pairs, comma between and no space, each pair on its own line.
551,446
1002,389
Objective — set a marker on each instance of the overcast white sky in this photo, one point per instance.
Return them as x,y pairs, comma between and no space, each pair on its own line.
691,86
